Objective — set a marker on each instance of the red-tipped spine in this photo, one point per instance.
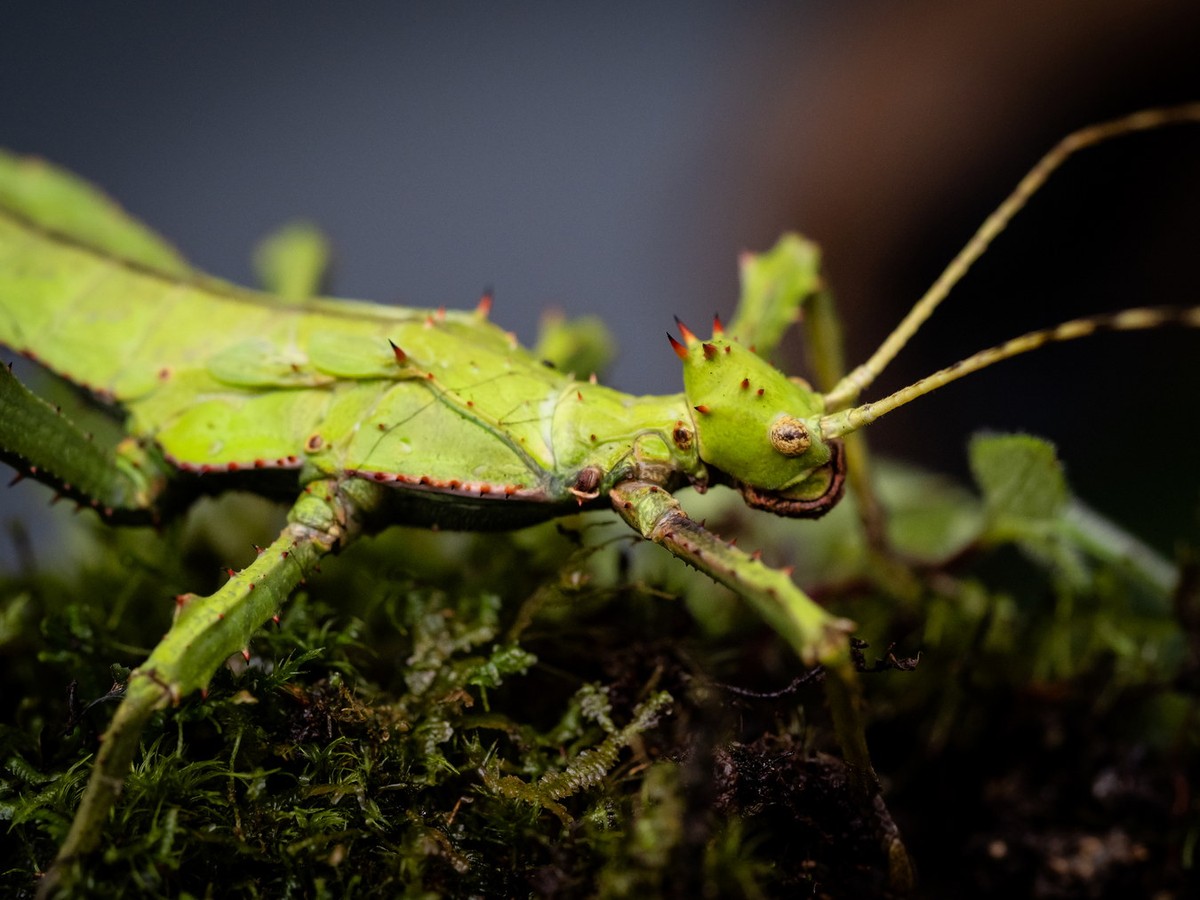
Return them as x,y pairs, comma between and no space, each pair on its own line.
484,308
688,338
401,356
718,328
680,350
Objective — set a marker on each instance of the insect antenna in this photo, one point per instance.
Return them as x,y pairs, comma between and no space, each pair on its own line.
847,391
848,420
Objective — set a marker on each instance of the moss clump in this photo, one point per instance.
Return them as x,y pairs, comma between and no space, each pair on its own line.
535,714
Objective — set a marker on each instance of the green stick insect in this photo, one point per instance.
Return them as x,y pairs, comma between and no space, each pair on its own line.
372,415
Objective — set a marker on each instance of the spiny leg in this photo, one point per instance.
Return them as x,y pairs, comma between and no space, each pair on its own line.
121,482
817,636
205,633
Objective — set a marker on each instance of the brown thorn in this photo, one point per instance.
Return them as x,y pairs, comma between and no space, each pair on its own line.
401,356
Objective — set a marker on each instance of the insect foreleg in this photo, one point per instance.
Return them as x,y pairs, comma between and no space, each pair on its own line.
120,482
817,636
206,632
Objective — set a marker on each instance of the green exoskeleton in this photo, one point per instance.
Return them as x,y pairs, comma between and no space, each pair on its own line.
368,415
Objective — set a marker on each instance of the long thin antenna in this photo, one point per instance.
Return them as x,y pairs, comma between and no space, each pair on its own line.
840,423
847,390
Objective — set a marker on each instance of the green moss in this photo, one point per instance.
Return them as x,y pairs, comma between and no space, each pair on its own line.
534,714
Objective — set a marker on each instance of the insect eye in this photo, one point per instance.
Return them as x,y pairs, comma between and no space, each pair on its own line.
789,436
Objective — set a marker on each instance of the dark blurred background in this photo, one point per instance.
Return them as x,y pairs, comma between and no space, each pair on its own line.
615,158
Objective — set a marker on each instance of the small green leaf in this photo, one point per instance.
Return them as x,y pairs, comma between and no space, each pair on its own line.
775,284
1020,477
293,261
583,346
64,203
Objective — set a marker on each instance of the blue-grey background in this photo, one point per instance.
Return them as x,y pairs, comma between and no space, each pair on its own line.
615,157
